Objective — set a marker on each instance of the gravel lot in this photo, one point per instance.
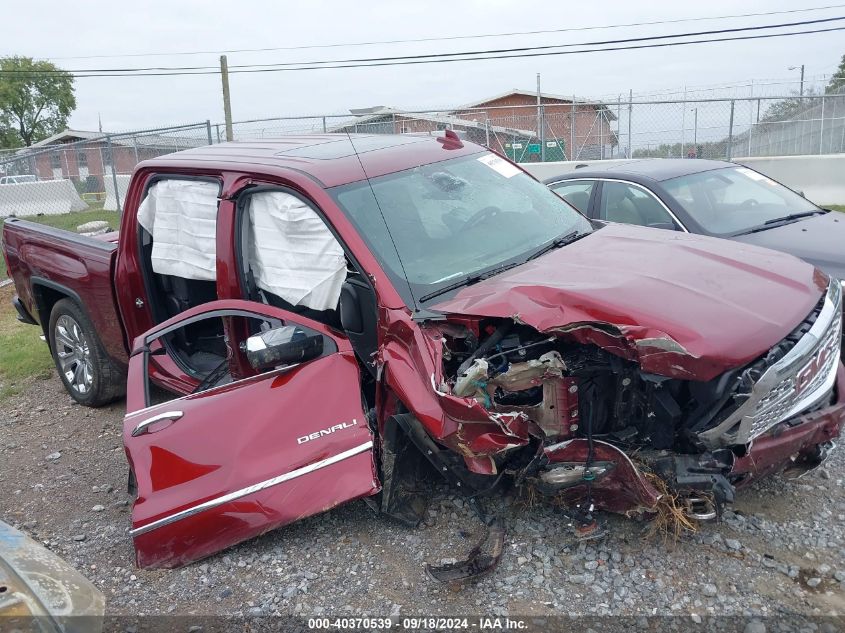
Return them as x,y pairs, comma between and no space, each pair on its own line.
64,482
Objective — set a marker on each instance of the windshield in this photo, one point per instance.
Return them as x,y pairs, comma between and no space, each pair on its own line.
734,199
434,224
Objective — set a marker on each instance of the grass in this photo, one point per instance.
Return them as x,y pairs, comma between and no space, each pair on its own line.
23,355
69,222
836,207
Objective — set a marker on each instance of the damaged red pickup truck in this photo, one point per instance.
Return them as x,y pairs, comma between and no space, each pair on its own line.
313,320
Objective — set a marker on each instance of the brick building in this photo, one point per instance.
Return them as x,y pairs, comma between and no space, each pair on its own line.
579,125
84,156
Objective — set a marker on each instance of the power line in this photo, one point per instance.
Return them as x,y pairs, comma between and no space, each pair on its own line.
502,53
551,46
453,37
521,55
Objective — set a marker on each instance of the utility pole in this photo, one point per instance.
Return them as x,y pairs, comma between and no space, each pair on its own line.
801,89
227,104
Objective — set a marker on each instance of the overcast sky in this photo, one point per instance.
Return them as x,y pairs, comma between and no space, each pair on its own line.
59,30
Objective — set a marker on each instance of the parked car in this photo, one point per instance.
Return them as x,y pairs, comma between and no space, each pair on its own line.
311,320
709,197
15,180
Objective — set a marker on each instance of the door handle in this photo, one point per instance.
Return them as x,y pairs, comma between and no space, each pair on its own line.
167,415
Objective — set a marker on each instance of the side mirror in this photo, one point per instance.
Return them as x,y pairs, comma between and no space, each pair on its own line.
286,345
351,317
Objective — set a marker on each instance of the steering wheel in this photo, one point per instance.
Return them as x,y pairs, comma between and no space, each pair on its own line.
478,216
749,204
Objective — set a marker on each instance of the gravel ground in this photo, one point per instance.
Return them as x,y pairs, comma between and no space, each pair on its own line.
63,472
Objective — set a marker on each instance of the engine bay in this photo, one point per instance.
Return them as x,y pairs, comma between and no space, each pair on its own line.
574,390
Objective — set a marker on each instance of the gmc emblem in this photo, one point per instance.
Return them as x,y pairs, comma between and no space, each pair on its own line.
811,369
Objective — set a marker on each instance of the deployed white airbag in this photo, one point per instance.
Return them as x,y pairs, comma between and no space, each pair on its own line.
292,253
181,215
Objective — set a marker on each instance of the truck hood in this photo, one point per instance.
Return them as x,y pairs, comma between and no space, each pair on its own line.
684,306
818,240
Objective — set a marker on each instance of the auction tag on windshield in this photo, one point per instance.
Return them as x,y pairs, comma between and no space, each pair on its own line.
499,164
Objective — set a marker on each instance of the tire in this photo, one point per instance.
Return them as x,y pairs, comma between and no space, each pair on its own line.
88,374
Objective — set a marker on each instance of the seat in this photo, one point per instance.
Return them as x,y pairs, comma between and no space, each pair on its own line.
578,199
619,208
180,293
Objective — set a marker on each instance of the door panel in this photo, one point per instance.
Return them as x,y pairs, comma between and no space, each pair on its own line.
225,465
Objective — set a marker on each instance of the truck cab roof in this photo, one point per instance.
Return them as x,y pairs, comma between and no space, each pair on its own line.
331,159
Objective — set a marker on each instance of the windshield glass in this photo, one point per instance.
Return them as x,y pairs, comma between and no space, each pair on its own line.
435,224
734,199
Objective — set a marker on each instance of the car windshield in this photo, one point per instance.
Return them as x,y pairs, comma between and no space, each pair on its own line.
436,224
734,199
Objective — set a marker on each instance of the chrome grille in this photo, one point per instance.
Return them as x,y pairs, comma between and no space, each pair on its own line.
803,378
787,397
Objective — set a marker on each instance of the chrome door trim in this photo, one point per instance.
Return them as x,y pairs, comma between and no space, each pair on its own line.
167,415
243,492
635,184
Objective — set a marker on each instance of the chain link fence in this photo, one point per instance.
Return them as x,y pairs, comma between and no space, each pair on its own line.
76,171
81,171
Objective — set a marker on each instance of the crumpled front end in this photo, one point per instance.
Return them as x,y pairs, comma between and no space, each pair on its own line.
580,420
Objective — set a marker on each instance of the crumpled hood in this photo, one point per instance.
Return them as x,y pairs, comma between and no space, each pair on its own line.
684,306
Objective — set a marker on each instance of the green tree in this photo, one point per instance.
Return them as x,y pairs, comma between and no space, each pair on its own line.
837,82
787,109
36,99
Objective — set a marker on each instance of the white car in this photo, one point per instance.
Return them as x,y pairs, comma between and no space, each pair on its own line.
14,180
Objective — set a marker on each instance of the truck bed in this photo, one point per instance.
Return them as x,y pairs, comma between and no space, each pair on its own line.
48,264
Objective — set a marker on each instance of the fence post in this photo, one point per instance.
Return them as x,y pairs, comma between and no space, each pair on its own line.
731,132
821,130
114,175
630,112
600,114
208,130
572,132
135,147
618,121
324,125
487,132
750,127
542,133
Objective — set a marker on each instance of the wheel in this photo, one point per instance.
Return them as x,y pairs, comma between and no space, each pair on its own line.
87,372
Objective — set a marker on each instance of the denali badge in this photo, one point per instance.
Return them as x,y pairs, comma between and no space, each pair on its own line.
318,434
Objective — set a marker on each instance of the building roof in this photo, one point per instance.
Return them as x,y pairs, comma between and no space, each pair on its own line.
67,136
543,95
371,115
141,139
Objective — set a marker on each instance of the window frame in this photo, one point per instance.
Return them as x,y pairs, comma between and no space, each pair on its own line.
240,199
681,226
590,199
146,265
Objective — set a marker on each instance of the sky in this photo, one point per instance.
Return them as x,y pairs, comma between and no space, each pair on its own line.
65,31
